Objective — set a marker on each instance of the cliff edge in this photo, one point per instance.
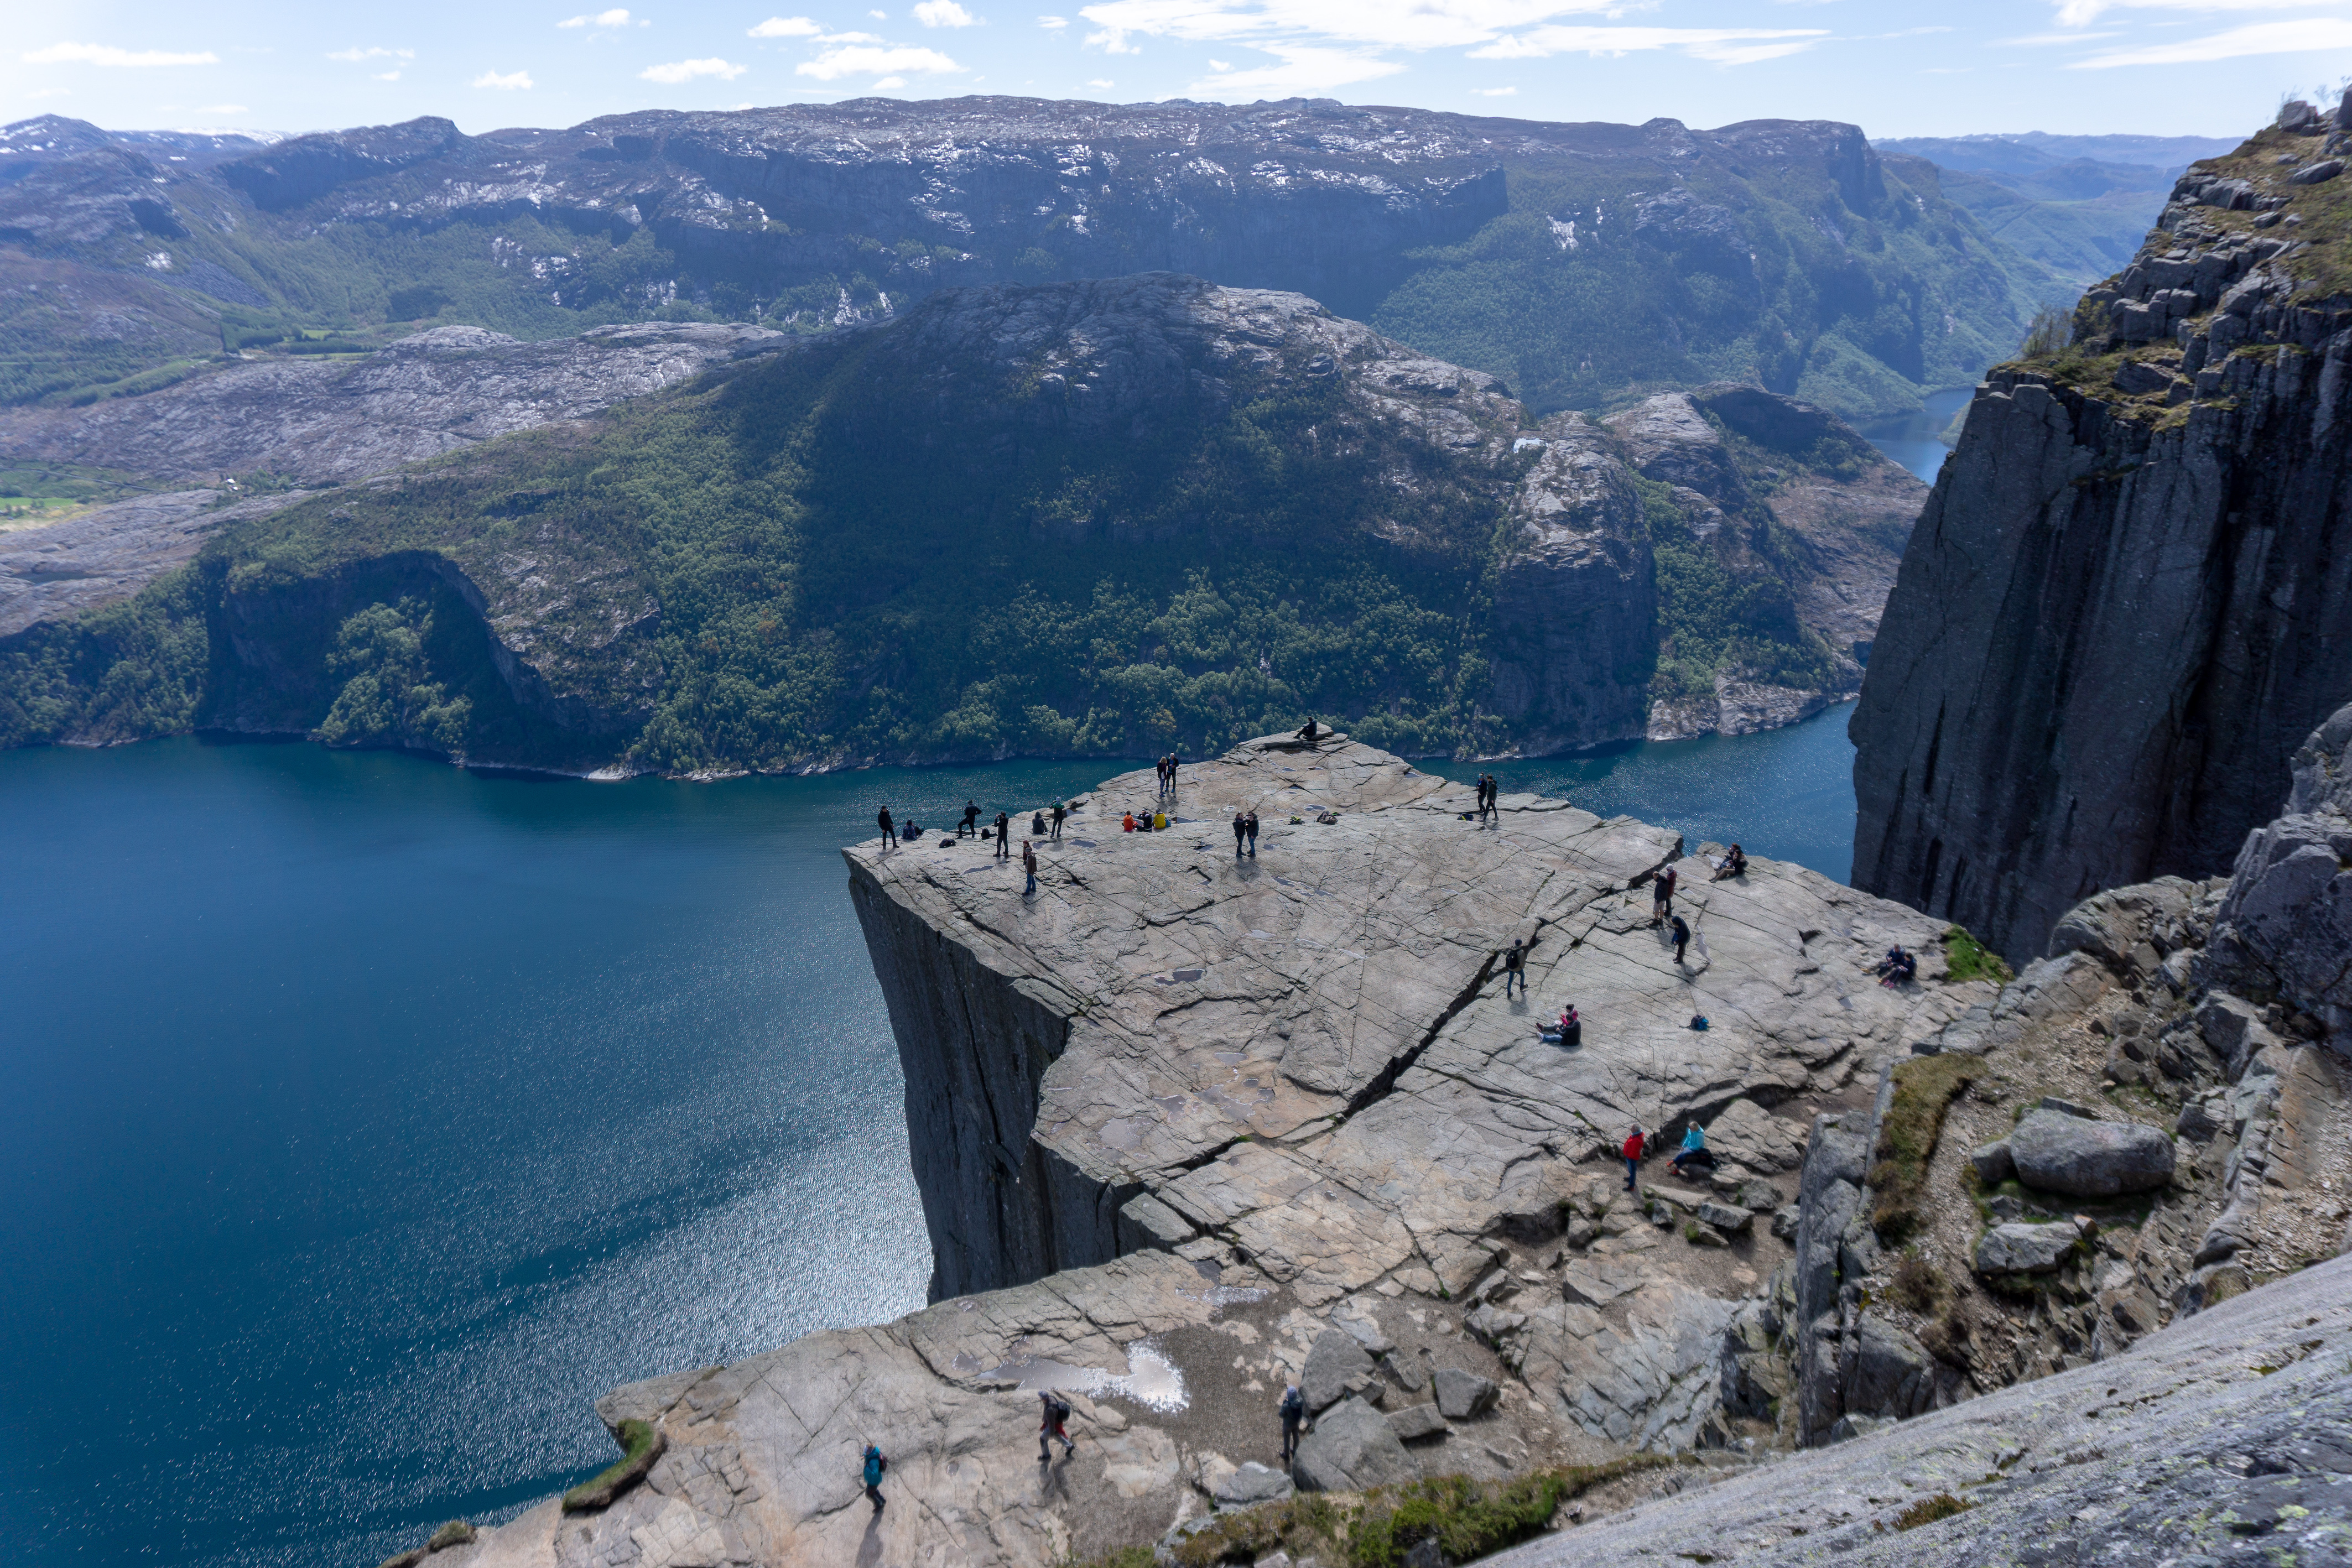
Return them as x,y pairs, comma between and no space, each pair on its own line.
2126,599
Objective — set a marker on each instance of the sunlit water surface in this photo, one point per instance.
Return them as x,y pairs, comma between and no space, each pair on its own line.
366,1118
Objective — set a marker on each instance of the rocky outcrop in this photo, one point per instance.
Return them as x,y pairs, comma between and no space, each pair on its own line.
2106,637
332,420
2226,1439
2285,928
1427,476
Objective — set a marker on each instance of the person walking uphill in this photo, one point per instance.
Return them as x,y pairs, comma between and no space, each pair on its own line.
1003,842
1682,938
1029,864
1514,968
888,833
874,1465
1293,1409
1057,1411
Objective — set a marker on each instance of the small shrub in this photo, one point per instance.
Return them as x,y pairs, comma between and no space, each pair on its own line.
1928,1511
2050,330
456,1532
1918,1286
640,1447
1966,958
1946,1338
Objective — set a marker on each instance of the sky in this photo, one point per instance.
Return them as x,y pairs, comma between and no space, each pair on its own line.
1897,68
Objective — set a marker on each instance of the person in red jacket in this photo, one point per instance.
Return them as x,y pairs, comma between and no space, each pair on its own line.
1633,1142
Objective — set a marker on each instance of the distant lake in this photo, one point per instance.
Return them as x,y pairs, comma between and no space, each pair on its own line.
1915,441
367,1118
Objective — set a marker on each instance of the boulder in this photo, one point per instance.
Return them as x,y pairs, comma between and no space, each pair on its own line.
1759,1196
2058,1153
1462,1395
1724,1217
1893,1373
2019,1248
2317,174
1337,1367
2297,117
1253,1483
1753,1136
1417,1421
1699,1235
1784,1222
2064,1107
1351,1448
1993,1163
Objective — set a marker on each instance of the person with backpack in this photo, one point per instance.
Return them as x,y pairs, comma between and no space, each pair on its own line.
1661,902
1634,1142
1004,841
1514,968
875,1465
1056,834
888,833
1057,1411
1292,1408
1029,864
1252,832
1681,930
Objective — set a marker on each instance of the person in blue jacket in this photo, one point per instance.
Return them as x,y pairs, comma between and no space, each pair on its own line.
1693,1143
874,1465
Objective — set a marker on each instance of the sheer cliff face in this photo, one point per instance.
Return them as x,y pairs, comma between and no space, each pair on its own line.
2126,601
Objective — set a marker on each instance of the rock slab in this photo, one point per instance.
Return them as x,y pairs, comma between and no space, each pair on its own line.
2055,1152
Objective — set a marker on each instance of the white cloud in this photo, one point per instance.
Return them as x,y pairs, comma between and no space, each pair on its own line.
1302,70
1719,46
1494,91
863,59
511,82
847,38
52,92
387,76
1053,24
613,19
1221,64
1113,41
2082,12
677,71
107,55
1102,83
2309,34
1401,24
2046,40
888,84
785,27
943,14
355,55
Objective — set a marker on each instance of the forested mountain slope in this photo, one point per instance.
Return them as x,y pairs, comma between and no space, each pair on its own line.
1081,517
1584,264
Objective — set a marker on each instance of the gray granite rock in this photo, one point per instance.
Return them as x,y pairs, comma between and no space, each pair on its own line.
2055,1152
1337,1368
1992,1162
1352,1448
2288,915
1463,1395
2019,1248
1252,1483
1730,1221
1417,1421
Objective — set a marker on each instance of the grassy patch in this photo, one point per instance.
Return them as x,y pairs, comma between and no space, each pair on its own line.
1925,1087
641,1446
456,1532
1966,958
1928,1511
1917,1284
1125,1557
1466,1517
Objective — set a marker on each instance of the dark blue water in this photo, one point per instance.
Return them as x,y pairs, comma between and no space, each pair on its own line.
1916,441
364,1119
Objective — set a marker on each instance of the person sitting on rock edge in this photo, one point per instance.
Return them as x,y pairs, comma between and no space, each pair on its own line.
1306,732
1733,864
1567,1033
1694,1144
1127,823
1293,1409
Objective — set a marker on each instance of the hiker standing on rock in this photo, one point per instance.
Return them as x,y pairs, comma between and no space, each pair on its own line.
1252,832
1681,939
1057,1411
1029,864
1661,902
874,1465
1514,968
1056,835
971,824
1241,829
1632,1152
888,833
1003,843
1294,1415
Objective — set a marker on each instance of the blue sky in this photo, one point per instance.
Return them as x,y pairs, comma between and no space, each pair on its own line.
1897,68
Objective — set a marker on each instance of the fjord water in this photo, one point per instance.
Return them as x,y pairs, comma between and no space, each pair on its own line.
367,1118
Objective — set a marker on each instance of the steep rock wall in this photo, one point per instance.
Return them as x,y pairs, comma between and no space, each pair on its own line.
2129,596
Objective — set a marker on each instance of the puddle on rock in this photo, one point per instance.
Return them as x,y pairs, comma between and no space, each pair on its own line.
1152,1379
